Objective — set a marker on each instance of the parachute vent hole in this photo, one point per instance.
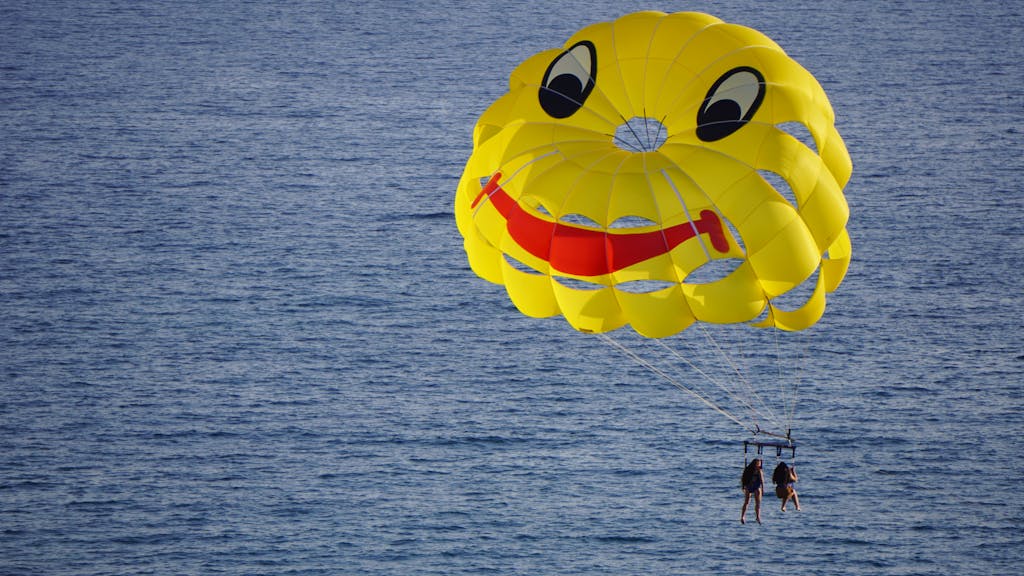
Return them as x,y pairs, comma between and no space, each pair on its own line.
535,204
781,186
644,286
632,222
799,131
735,235
579,220
577,284
640,134
798,295
516,264
763,316
713,271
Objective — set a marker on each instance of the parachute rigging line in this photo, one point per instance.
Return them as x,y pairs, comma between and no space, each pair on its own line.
624,142
770,414
730,393
786,399
709,402
763,413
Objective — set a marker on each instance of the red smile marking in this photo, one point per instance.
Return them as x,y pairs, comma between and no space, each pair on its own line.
585,252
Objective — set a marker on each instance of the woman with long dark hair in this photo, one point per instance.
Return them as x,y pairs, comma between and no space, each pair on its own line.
785,478
753,485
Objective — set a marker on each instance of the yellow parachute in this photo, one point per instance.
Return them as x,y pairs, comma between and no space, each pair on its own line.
648,174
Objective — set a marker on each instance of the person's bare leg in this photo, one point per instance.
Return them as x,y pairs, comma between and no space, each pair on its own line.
796,501
743,512
757,506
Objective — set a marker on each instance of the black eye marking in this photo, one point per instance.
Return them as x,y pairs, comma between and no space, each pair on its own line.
731,102
569,80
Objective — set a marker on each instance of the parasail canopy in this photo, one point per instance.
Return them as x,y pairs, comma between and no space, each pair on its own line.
655,171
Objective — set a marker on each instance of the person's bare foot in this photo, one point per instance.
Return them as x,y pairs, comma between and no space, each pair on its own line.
743,520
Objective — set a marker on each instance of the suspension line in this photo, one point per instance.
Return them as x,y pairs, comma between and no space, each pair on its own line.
709,402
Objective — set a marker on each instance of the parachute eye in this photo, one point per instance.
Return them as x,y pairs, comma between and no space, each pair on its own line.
569,80
731,102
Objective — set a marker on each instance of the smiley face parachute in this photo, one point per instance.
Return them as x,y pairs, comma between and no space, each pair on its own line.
660,171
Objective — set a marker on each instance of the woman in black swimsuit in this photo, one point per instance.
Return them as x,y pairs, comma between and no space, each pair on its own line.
753,484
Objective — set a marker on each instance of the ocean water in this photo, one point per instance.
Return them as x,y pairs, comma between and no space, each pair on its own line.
238,334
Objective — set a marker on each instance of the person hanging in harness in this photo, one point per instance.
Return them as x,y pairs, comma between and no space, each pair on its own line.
785,478
753,485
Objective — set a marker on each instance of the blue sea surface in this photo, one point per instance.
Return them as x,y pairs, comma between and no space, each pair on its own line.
239,335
